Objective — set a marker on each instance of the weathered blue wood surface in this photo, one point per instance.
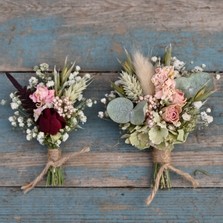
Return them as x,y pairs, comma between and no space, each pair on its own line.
95,32
111,183
110,205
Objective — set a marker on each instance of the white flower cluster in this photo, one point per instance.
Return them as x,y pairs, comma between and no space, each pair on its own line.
206,118
3,102
33,81
178,64
82,117
15,101
89,103
32,133
197,69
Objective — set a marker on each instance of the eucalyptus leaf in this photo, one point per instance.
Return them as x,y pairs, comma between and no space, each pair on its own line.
119,109
137,115
191,85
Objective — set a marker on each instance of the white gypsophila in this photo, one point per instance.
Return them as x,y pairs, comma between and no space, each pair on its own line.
197,69
28,137
89,103
87,76
83,119
203,65
12,95
72,76
197,104
16,113
12,118
33,81
112,94
177,124
3,102
70,82
101,114
14,124
40,137
39,73
80,97
218,76
154,59
186,117
58,142
178,65
74,120
208,110
14,105
28,131
77,68
103,100
80,113
65,137
50,84
21,124
67,128
44,66
206,118
78,78
20,119
95,102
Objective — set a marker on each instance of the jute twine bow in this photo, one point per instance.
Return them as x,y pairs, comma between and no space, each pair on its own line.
164,157
54,160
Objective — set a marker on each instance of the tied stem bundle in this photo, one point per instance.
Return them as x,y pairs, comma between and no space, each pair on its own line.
163,157
54,160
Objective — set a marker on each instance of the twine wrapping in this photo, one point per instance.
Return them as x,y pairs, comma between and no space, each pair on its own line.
164,158
54,160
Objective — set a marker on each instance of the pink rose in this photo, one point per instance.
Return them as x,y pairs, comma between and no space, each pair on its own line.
42,95
178,98
171,113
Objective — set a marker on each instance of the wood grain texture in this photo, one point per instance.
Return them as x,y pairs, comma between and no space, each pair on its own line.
110,206
95,32
111,163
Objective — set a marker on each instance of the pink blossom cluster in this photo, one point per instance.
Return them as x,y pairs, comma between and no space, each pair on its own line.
166,91
152,105
43,97
64,106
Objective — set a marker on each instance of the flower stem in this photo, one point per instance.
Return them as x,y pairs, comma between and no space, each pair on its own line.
55,176
165,181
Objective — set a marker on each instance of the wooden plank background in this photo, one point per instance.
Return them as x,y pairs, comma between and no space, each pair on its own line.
111,183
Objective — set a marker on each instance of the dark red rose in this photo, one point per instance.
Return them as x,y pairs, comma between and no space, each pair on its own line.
50,121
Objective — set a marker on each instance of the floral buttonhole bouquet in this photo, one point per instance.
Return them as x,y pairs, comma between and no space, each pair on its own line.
157,104
48,109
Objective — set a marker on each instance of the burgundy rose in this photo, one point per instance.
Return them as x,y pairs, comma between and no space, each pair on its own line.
50,121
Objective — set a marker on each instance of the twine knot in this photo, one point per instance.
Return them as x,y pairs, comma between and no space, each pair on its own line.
161,156
164,157
54,154
54,160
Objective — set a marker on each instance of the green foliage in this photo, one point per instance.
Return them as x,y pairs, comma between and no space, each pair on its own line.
167,55
138,137
128,64
200,84
137,115
121,110
157,134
